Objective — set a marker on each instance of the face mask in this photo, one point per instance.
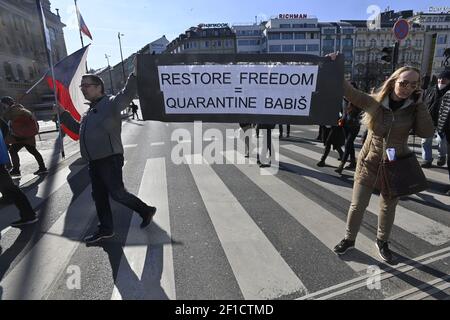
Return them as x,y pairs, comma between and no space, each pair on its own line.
441,86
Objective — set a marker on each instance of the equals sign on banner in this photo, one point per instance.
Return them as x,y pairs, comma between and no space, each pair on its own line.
237,90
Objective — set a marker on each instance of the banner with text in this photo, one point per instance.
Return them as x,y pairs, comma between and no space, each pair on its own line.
255,91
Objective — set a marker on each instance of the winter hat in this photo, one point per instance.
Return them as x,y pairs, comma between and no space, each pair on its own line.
7,100
444,74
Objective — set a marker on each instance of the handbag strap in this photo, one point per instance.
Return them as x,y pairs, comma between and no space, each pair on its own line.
385,144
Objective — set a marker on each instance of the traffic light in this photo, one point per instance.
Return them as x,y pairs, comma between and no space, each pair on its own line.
391,54
387,54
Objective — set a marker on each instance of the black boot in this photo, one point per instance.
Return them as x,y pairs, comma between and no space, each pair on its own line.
321,164
340,169
351,166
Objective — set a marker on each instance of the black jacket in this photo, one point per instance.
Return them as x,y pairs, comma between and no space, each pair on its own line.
444,115
432,99
4,127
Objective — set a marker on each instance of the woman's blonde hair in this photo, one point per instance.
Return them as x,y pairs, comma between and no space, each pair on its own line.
386,89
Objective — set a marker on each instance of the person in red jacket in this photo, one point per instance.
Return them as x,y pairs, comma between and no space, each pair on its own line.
12,111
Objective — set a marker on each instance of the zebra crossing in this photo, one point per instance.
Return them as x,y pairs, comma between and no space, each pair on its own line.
263,265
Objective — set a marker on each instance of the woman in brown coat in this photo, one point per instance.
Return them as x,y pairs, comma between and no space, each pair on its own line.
391,113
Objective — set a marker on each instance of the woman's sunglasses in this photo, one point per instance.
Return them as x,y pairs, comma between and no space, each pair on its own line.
405,84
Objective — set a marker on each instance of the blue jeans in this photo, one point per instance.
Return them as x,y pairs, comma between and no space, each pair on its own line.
107,180
427,147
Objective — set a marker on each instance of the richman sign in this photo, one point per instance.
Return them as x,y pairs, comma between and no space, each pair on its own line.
292,16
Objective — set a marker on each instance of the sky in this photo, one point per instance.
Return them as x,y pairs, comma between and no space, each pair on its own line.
143,21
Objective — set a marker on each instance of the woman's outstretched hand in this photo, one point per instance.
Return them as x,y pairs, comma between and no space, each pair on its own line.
333,55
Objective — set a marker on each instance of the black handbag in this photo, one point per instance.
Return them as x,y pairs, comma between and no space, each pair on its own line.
402,177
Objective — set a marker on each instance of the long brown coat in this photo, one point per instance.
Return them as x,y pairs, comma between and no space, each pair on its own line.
413,115
10,114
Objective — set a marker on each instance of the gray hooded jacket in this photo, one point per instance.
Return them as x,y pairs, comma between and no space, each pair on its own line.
100,128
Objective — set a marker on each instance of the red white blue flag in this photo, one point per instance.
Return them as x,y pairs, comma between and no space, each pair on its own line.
68,73
82,25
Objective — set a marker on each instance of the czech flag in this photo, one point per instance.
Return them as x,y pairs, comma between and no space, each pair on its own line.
83,26
68,73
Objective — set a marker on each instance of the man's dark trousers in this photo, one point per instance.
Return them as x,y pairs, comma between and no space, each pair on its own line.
107,180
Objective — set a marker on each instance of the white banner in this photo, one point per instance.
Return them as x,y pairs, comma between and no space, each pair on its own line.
271,89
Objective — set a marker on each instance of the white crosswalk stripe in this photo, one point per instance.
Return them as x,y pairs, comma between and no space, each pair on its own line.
33,276
430,174
325,226
158,284
417,224
147,267
258,267
38,194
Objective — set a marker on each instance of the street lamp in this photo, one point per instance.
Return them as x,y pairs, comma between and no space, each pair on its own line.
121,55
110,74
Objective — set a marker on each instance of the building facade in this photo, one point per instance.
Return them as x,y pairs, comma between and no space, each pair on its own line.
369,70
437,40
291,33
23,58
215,38
156,47
248,37
340,37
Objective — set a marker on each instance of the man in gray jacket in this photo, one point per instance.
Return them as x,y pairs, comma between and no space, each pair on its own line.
101,145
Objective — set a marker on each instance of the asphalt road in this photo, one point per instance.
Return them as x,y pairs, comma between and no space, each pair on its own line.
225,229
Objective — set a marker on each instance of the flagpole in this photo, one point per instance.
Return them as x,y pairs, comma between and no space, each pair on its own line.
48,47
79,29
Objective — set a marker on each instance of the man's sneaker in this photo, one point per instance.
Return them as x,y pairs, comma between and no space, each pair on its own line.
41,172
448,193
147,218
265,165
383,250
15,173
98,237
426,164
441,162
24,222
344,246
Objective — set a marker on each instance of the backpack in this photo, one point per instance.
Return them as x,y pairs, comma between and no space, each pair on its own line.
23,127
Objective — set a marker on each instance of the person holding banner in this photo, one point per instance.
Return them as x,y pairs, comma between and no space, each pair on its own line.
390,115
101,145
